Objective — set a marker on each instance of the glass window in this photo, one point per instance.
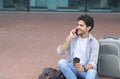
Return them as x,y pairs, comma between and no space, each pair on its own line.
15,4
1,4
61,5
103,5
71,5
57,5
38,5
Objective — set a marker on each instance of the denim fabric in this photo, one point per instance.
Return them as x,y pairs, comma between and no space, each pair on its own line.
70,73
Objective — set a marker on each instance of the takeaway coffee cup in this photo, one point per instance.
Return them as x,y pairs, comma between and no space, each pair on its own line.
76,60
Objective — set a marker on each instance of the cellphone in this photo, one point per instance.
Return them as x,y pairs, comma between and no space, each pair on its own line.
76,60
76,32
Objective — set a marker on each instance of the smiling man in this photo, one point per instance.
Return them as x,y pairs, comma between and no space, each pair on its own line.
82,45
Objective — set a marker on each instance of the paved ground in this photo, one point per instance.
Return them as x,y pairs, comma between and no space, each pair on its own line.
28,41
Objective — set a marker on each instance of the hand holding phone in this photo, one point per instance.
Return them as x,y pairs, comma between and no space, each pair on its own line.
76,32
73,33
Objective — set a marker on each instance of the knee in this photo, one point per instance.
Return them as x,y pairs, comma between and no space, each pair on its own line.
92,71
62,63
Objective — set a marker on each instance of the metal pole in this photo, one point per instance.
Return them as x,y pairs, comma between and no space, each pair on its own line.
85,5
28,6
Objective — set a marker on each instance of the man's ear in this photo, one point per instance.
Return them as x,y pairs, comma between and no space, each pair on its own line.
89,27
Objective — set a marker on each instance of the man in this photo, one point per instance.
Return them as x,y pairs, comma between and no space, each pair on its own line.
81,44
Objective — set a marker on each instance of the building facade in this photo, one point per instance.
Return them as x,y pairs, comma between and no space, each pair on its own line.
110,6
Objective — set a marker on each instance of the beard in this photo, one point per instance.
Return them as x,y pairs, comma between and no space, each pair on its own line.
80,32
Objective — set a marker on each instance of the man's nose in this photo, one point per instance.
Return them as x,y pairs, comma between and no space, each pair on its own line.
77,27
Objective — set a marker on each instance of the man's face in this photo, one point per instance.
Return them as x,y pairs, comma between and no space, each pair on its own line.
82,28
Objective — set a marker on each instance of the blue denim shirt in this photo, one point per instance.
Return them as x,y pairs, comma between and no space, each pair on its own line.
92,50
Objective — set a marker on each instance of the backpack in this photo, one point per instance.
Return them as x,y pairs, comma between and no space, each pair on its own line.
51,73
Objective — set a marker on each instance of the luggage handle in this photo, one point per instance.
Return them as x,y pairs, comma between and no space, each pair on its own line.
111,37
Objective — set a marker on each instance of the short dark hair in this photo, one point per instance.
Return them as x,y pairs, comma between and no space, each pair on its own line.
89,21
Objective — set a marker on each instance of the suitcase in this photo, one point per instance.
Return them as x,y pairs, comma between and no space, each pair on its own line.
109,57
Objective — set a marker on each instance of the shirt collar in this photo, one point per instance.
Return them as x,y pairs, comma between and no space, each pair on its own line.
90,37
